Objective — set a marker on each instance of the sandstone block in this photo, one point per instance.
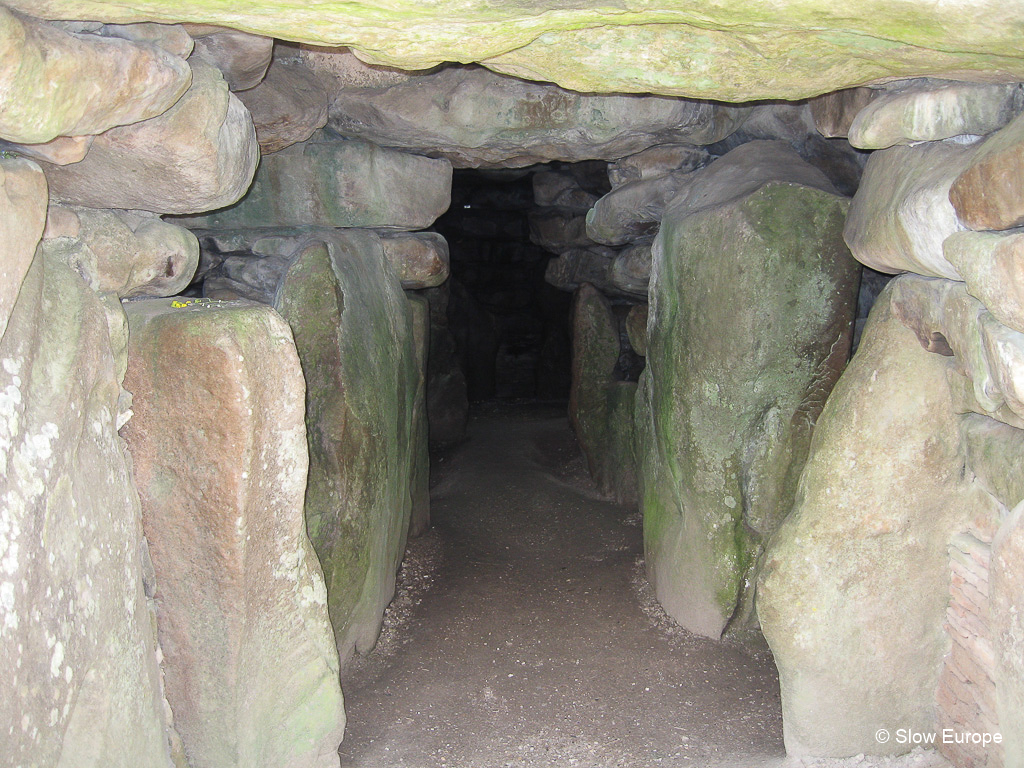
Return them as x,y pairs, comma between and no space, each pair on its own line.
577,266
241,57
657,161
992,266
198,155
287,106
218,443
987,195
56,84
834,112
63,150
22,217
420,259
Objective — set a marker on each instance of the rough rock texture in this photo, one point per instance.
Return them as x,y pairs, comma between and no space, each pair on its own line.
901,214
788,49
477,118
339,184
218,444
630,271
561,189
929,110
576,266
751,313
420,259
77,640
987,195
636,328
199,155
657,161
835,112
286,107
419,482
22,217
1006,584
633,211
171,37
124,253
992,266
242,58
447,403
558,229
353,332
60,151
601,408
53,83
855,583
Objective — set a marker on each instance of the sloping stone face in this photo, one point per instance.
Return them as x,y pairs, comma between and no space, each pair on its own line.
77,641
218,443
751,315
353,332
22,216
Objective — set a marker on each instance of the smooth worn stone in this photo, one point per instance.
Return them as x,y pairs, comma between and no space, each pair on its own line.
561,189
477,118
420,259
63,150
630,270
22,218
601,408
931,110
219,450
1006,584
287,106
636,328
77,635
558,229
353,331
633,211
987,194
124,253
901,214
834,112
199,155
751,312
56,84
857,578
171,37
339,184
576,266
659,160
992,266
241,57
419,481
788,49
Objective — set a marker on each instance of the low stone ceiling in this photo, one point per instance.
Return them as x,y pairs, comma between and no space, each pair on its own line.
721,49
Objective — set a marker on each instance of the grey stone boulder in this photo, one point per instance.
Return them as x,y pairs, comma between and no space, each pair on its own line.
478,118
287,106
199,155
561,189
630,270
62,150
659,160
173,38
633,211
420,259
558,229
576,266
241,57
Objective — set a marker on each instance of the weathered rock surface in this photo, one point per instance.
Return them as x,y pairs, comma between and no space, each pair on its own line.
601,408
287,106
558,229
77,640
835,112
633,211
171,37
339,184
123,253
420,259
576,266
992,266
353,332
340,68
630,270
56,84
930,110
419,481
987,195
636,328
219,449
60,151
561,189
659,160
1006,584
477,118
901,214
856,581
198,155
22,218
751,313
242,58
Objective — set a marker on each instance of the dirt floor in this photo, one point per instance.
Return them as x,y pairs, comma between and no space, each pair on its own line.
525,634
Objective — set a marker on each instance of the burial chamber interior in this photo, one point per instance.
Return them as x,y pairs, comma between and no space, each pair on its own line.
244,306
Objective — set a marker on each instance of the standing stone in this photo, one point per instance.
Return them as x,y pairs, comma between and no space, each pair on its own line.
57,84
447,402
220,459
77,641
636,328
856,581
339,184
22,217
286,107
419,483
353,332
199,155
987,195
751,315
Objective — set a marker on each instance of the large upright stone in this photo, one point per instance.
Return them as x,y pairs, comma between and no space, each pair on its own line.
987,195
22,216
352,329
419,479
199,155
751,311
477,118
219,448
77,641
856,581
56,84
340,184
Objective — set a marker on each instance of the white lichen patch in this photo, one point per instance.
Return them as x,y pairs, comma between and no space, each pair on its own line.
57,660
314,593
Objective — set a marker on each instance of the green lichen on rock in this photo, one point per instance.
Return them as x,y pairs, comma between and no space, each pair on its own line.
751,311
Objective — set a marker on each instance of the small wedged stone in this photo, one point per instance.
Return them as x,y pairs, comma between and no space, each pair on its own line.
340,68
557,230
835,112
57,84
576,266
22,218
420,259
987,194
333,183
992,266
219,450
125,253
198,155
657,161
901,214
287,106
241,57
931,110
